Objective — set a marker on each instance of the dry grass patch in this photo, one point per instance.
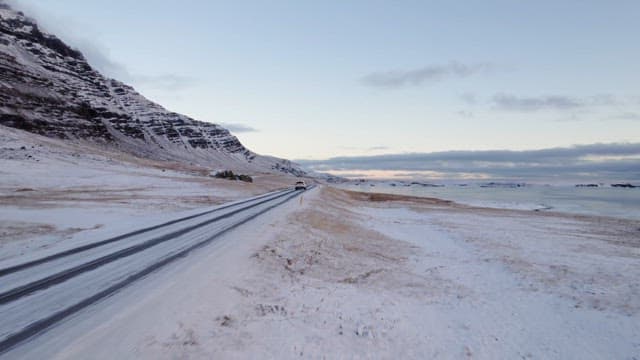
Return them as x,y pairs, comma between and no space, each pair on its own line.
329,241
379,197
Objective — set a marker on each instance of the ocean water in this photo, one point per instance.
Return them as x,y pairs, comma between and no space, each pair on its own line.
602,201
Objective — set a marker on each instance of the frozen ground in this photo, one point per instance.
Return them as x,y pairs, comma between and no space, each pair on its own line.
55,193
352,275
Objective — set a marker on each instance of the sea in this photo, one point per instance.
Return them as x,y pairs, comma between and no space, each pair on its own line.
602,200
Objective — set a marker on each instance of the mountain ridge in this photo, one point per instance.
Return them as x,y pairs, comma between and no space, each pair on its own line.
49,88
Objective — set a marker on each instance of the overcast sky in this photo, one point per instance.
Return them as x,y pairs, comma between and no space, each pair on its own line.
324,79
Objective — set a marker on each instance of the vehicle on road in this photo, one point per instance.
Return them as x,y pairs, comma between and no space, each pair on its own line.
300,185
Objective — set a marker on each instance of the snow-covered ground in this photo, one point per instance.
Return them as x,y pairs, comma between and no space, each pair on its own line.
57,193
333,274
348,275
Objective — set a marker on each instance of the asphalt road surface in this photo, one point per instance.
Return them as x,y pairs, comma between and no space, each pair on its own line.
36,295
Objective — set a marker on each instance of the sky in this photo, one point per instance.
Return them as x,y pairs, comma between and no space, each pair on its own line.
389,82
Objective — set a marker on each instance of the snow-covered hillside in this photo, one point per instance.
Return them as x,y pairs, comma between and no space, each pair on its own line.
48,88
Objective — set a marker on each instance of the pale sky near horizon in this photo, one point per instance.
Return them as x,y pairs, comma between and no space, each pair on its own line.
314,80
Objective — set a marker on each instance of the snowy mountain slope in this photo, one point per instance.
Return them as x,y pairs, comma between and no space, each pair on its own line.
48,88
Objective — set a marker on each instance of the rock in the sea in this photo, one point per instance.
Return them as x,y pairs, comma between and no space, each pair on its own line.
625,185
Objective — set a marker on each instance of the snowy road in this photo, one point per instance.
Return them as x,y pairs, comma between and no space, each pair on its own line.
37,294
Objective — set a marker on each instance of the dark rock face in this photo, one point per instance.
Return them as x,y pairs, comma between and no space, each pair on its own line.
48,88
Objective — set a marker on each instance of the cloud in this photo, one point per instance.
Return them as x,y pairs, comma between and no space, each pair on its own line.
626,116
527,104
619,161
100,59
510,102
464,114
6,4
363,149
166,82
427,74
238,128
469,98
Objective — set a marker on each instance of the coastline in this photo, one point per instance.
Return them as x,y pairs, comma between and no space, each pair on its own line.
453,204
599,201
338,274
